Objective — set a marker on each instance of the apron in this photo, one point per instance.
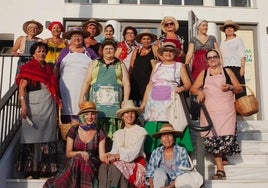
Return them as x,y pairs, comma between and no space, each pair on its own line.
73,69
42,112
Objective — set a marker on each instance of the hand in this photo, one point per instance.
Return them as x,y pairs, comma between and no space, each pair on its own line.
180,89
85,155
226,87
200,97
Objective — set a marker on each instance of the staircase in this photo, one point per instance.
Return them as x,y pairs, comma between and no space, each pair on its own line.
247,170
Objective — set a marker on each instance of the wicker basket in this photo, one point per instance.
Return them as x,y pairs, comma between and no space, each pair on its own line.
247,105
64,127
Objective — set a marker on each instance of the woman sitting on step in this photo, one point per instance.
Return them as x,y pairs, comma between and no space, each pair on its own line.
85,150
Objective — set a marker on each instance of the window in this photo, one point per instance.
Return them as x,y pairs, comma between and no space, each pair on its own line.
234,3
193,2
149,2
128,1
171,2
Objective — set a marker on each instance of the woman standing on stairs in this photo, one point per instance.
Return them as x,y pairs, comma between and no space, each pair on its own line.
217,87
38,97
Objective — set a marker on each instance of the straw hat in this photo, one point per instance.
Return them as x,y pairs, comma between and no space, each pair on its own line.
56,23
168,46
167,129
87,106
167,19
146,32
128,106
75,30
26,24
93,22
229,23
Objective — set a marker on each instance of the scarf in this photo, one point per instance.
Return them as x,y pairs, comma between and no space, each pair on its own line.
34,72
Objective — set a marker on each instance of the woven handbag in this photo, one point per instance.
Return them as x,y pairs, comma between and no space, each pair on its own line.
64,127
247,105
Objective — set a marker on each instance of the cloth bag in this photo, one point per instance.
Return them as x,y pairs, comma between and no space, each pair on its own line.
175,113
190,179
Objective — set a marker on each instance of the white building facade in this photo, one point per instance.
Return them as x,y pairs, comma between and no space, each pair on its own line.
251,15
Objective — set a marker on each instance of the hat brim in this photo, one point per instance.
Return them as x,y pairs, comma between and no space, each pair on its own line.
176,51
99,26
235,26
139,36
120,112
68,34
39,25
159,134
87,110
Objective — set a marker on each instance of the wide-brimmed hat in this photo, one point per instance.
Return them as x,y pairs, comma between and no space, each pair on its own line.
167,19
56,23
145,32
128,106
169,46
167,129
94,22
87,106
39,25
75,30
229,23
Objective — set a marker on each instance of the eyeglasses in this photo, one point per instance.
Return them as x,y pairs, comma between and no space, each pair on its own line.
168,24
212,57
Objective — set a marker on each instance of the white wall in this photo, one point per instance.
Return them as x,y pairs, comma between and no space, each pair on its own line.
14,13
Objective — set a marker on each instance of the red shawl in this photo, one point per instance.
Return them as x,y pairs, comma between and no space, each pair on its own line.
36,73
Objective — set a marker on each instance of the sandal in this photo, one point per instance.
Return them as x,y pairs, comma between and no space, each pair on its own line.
220,175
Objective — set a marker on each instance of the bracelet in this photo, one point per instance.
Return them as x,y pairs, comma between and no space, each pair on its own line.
231,87
22,98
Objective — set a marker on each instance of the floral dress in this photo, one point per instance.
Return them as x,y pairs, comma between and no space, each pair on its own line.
77,172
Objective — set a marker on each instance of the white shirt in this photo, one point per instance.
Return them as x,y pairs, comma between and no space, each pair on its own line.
129,143
232,51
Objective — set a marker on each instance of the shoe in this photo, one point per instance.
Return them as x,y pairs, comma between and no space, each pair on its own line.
220,175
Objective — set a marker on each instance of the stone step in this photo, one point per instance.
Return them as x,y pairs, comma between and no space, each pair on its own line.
236,183
25,183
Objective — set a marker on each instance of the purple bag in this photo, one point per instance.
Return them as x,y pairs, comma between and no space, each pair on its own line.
161,93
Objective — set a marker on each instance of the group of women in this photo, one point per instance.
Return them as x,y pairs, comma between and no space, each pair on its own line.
110,73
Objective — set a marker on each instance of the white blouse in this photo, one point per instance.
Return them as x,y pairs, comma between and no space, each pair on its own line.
129,143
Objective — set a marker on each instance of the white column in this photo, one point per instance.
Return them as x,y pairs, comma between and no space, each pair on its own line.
212,29
209,3
113,1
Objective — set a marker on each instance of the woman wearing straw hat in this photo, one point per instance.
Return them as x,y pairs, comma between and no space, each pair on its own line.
168,78
55,43
94,28
71,68
165,162
127,152
140,64
85,149
170,26
233,52
23,44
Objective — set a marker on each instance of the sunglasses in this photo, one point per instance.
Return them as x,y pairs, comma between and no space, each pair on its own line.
168,24
212,57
